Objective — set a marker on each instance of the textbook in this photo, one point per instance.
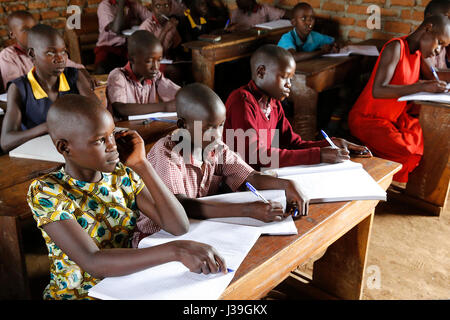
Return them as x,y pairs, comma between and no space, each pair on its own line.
276,24
173,280
355,49
284,227
427,96
325,182
153,115
39,148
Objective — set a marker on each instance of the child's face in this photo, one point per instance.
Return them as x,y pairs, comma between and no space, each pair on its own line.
94,147
161,7
431,43
147,63
211,128
19,30
50,57
276,79
245,5
303,22
201,7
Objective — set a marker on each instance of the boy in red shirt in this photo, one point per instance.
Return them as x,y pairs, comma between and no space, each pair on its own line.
256,109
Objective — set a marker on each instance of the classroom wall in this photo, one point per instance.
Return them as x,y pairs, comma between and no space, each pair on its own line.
398,17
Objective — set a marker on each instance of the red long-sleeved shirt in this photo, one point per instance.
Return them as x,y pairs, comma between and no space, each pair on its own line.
244,112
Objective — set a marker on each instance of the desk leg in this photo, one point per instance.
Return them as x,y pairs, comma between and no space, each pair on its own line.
304,99
340,272
202,69
13,278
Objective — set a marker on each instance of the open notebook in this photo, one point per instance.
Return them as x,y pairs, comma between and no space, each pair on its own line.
427,96
333,182
173,280
276,24
40,148
355,49
153,115
284,227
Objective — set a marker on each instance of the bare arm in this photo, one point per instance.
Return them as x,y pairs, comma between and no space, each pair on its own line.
12,134
119,23
85,87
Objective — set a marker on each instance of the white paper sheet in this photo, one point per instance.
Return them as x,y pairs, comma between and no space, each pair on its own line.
39,148
333,182
173,281
284,227
153,115
427,96
355,49
276,24
4,97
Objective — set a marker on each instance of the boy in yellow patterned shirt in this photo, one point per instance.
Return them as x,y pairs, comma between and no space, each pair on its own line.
87,210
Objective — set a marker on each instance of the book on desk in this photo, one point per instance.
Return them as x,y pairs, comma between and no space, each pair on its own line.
428,96
363,50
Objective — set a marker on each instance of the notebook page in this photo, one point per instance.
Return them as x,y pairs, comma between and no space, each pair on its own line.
355,49
173,281
153,115
427,96
284,227
276,24
320,167
39,148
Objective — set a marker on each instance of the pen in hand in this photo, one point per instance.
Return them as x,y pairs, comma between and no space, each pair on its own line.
329,140
434,73
255,192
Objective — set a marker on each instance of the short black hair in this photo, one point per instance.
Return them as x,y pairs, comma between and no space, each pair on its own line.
39,32
436,7
269,53
21,14
140,41
300,6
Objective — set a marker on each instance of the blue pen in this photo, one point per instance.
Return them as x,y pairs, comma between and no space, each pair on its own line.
226,24
159,119
255,192
434,73
329,140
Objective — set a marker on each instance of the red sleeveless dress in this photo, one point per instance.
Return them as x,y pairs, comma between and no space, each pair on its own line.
384,125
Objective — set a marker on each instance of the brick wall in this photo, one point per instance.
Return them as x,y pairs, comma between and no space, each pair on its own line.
398,17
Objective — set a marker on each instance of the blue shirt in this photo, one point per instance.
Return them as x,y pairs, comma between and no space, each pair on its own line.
314,41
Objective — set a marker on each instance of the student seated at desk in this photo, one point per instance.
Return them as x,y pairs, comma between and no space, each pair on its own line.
140,87
204,162
114,16
249,13
302,41
87,210
382,122
14,60
162,26
442,60
30,96
256,109
195,21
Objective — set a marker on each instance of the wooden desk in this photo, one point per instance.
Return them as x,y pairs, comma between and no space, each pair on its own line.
232,46
16,175
428,184
342,227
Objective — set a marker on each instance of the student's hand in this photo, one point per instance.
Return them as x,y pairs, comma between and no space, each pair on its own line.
131,148
432,86
231,27
353,148
331,155
296,199
326,48
199,257
266,212
335,47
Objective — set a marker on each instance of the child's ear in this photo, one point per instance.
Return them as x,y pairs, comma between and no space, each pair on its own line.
261,71
30,53
62,146
181,123
11,35
428,27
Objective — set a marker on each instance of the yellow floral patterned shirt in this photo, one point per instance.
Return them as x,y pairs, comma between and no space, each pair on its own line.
106,210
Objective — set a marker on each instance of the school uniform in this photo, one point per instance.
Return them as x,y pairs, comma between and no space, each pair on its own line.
183,174
35,101
172,38
189,29
314,41
14,62
248,108
123,86
108,41
385,125
261,13
106,210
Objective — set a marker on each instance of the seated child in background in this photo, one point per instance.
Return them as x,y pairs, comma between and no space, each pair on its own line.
87,210
382,122
163,27
30,96
14,60
140,87
114,16
249,13
442,60
302,41
204,162
195,21
256,107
